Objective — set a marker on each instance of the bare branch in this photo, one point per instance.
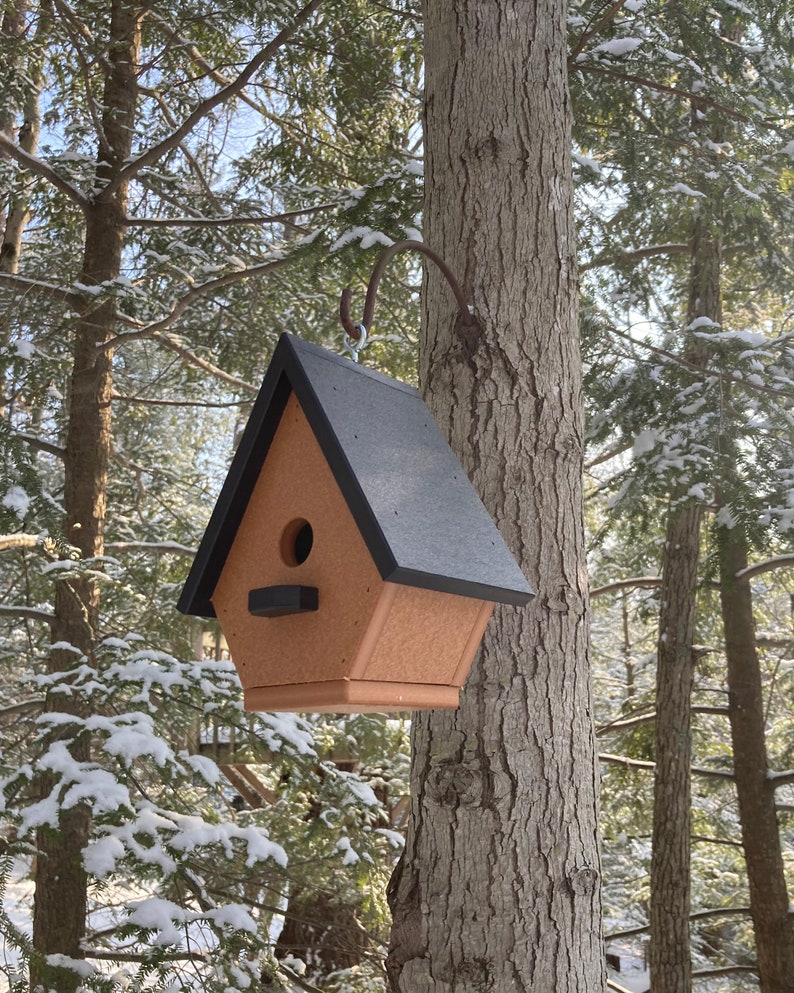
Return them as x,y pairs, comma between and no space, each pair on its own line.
635,583
219,222
637,255
632,722
18,541
30,613
207,106
699,915
157,402
155,547
43,446
25,707
768,565
40,168
606,456
778,779
650,766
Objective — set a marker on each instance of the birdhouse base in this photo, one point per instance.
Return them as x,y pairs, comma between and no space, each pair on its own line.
350,696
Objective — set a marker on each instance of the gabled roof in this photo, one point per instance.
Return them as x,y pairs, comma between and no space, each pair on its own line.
419,515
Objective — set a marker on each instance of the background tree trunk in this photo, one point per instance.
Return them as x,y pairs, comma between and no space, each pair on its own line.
498,889
766,876
60,902
670,904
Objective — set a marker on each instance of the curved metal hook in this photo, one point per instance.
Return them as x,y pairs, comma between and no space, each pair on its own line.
352,329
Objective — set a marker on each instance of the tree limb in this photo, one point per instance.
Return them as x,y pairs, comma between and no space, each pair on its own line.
43,446
218,222
218,98
40,168
768,565
650,766
650,718
31,613
193,294
155,547
38,286
637,582
18,541
699,915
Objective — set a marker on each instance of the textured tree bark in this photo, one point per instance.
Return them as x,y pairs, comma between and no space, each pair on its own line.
498,888
60,900
769,905
670,903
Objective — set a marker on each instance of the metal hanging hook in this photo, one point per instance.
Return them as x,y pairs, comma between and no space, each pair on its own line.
356,331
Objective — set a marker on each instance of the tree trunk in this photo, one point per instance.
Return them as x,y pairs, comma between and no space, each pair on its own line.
498,888
670,903
60,900
769,905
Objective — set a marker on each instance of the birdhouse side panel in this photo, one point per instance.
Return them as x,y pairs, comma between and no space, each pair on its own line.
429,637
297,530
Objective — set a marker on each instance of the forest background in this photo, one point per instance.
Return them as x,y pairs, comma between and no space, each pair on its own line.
179,188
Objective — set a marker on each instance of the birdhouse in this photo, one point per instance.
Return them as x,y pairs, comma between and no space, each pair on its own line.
349,560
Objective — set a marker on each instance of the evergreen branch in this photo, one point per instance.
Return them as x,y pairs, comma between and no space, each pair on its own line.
768,565
590,33
698,915
651,84
40,168
650,766
193,294
218,222
217,99
31,613
25,286
703,373
635,255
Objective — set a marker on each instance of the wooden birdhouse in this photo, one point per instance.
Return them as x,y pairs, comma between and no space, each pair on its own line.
349,560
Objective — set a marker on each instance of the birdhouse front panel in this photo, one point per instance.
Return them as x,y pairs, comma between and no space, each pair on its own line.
297,530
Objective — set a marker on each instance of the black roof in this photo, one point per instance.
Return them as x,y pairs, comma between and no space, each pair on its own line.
419,515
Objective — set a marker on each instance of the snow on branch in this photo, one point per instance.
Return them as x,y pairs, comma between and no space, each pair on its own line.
778,779
24,286
155,547
18,541
768,565
217,99
220,222
40,168
30,613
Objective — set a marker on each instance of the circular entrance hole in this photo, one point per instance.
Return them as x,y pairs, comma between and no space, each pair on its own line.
296,542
